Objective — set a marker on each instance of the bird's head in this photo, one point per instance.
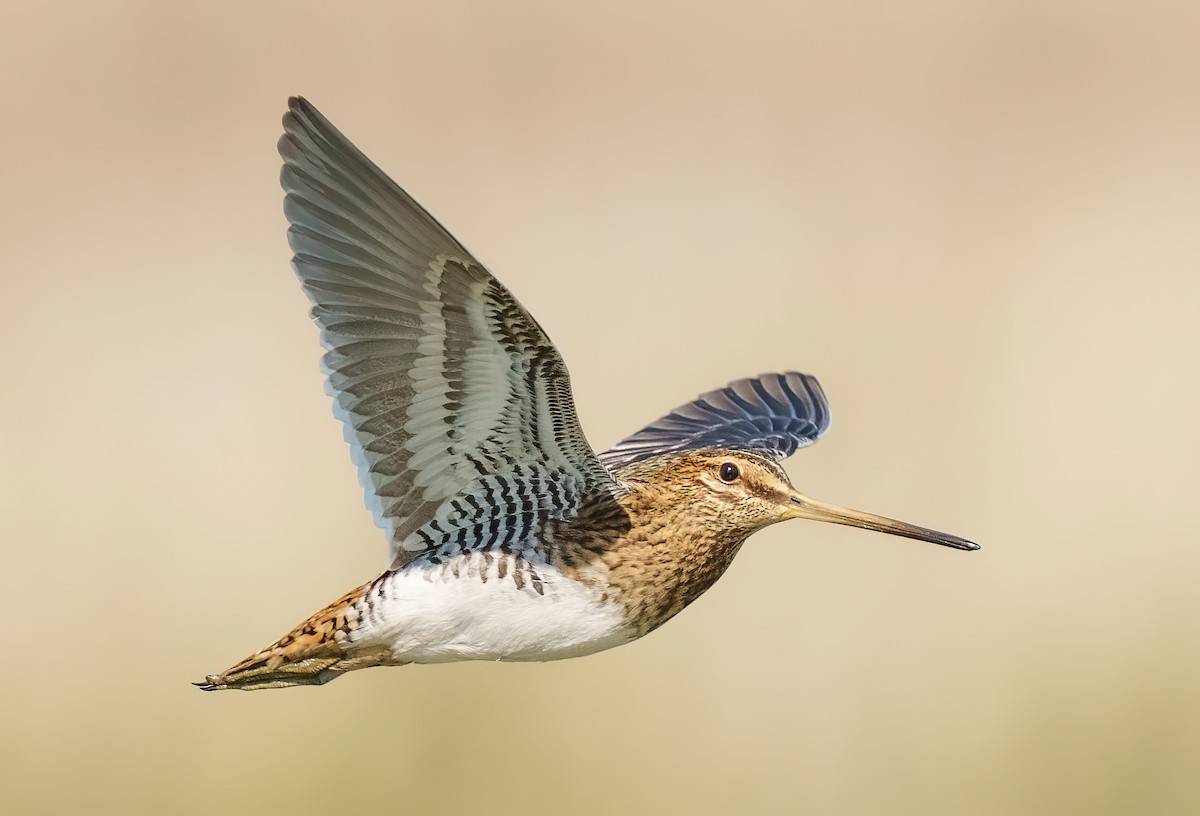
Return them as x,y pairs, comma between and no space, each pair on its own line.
743,493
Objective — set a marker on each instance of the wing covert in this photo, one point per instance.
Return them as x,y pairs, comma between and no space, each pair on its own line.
771,415
444,382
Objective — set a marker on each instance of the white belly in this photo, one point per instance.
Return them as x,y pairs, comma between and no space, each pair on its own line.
427,615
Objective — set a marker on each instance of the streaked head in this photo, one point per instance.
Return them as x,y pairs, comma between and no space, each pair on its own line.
748,492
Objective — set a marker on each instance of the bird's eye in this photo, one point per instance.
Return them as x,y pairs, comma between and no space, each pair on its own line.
729,472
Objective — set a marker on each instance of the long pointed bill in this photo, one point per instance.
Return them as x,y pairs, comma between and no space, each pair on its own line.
804,507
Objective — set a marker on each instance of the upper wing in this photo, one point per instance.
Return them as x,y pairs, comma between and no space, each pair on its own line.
770,415
446,385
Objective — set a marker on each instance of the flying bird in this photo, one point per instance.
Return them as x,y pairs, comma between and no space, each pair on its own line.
509,538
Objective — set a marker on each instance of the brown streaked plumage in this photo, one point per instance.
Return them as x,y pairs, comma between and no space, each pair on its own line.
510,538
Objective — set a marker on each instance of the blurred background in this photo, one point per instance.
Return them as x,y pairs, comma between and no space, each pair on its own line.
977,221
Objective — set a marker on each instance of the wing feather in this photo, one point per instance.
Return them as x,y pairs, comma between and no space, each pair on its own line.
771,415
446,386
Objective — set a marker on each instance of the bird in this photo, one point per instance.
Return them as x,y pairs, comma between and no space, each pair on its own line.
509,537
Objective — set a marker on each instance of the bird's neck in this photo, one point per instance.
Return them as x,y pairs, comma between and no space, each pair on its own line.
673,551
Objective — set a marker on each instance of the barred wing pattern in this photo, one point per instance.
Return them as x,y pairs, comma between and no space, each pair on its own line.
456,405
771,415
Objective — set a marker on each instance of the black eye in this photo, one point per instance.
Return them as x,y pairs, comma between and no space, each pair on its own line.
729,472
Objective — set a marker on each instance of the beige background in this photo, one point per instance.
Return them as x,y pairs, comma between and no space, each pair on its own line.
977,222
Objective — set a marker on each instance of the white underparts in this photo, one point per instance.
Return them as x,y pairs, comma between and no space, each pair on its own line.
424,614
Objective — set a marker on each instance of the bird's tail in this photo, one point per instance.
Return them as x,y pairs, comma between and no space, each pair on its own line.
315,652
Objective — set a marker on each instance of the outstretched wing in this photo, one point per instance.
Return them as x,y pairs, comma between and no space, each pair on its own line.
771,415
456,405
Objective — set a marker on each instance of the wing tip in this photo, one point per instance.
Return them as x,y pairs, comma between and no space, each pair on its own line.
300,108
302,120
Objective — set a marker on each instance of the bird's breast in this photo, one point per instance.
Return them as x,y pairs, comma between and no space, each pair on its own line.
659,574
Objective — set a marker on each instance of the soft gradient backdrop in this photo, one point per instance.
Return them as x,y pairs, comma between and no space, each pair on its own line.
978,222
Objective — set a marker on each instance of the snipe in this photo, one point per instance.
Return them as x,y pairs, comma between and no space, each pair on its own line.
509,538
